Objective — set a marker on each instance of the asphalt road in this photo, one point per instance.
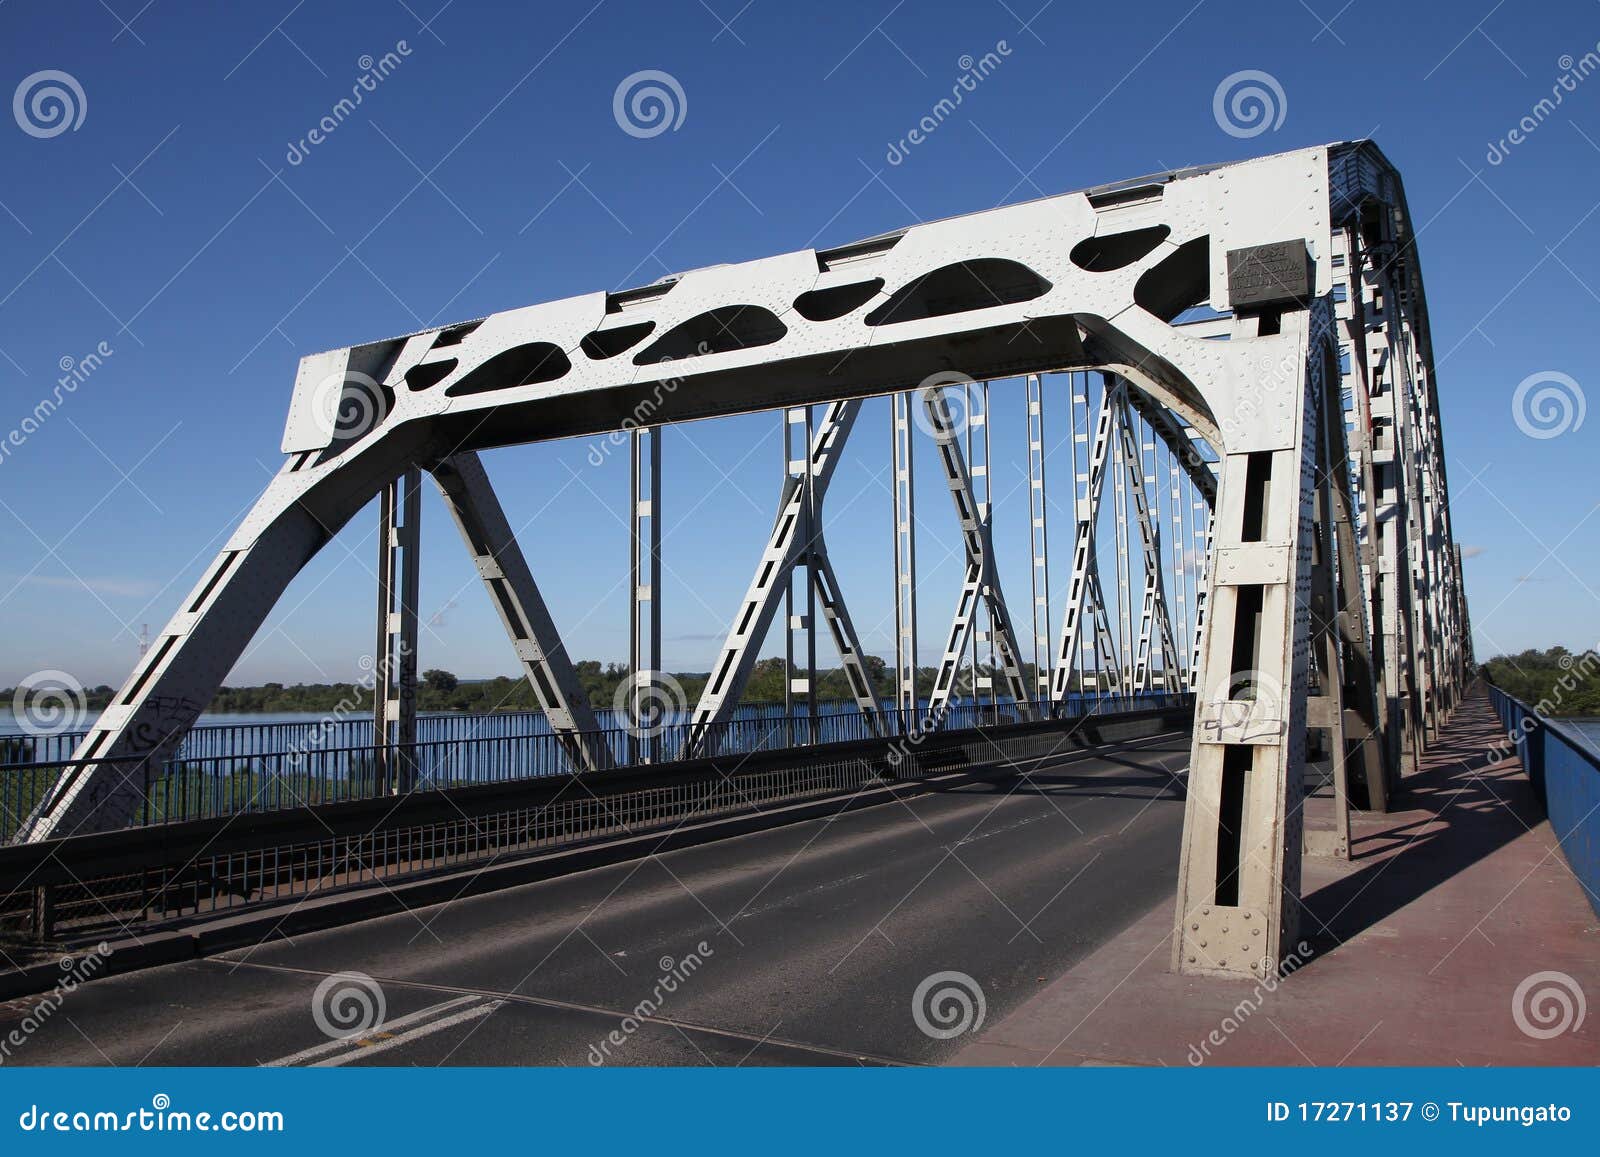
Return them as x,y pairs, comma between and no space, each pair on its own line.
801,945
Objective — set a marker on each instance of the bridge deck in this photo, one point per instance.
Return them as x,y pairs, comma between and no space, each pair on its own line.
1053,890
1419,943
819,932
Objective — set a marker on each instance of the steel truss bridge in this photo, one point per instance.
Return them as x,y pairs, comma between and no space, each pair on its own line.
1243,355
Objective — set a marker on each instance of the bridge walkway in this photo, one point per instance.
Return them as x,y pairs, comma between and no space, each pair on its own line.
1418,946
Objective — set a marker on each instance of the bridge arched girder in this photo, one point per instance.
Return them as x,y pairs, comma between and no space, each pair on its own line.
1086,280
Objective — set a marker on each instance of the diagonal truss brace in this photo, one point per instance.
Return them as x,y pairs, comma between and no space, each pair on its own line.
1153,614
982,582
1105,645
1179,440
796,539
1083,587
478,516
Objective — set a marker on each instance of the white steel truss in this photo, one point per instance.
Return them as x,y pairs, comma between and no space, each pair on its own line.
1155,623
477,513
795,544
903,515
644,586
981,586
1098,281
1038,540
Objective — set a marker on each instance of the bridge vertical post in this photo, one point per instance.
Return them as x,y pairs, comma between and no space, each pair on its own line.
1123,571
1358,703
1038,540
1154,624
800,626
394,725
976,398
904,514
1177,501
644,600
1202,592
1361,587
1083,588
982,582
1325,709
1239,877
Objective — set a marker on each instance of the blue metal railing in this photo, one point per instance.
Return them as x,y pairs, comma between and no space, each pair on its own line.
1565,773
226,772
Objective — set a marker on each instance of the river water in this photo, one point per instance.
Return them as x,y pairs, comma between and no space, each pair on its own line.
1587,730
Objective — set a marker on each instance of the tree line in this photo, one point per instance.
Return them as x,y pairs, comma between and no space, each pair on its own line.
439,690
1557,682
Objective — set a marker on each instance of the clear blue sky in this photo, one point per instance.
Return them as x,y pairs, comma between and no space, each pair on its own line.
487,171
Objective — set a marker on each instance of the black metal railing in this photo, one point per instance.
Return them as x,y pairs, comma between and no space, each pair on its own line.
241,780
215,845
1565,772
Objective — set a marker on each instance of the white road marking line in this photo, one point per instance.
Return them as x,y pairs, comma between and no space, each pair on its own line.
350,1042
407,1037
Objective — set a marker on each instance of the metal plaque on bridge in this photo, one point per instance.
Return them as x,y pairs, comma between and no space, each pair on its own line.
1278,273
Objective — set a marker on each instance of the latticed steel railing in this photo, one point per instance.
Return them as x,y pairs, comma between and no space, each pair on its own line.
251,768
255,855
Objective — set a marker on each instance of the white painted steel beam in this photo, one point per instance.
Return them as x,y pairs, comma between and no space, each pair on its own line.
478,515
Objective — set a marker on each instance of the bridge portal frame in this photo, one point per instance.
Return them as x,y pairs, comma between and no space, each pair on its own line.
1092,280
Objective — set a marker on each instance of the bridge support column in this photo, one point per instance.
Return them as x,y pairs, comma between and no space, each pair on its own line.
394,692
1239,878
799,585
1325,707
1038,543
904,516
644,597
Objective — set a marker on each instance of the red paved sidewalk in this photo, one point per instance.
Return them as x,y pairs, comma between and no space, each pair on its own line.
1420,944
